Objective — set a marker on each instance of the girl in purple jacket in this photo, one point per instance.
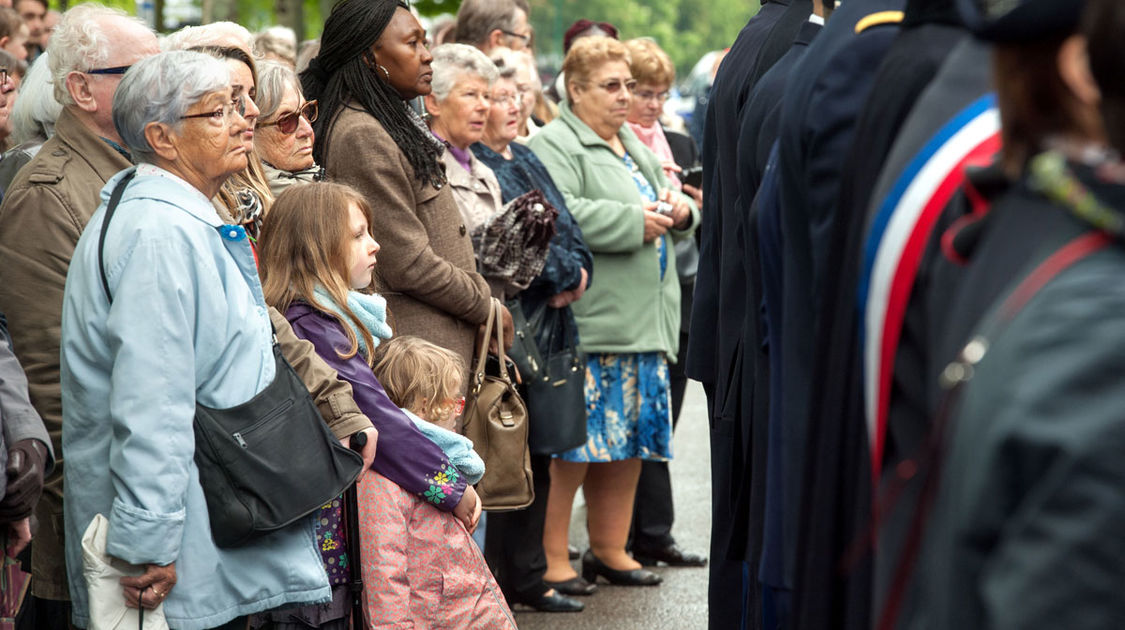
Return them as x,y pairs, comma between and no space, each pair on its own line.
317,257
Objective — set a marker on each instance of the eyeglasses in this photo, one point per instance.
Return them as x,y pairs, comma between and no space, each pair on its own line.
647,95
523,38
219,116
613,86
505,99
288,123
113,70
458,405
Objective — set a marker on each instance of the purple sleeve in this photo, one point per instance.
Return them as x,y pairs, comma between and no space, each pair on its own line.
405,455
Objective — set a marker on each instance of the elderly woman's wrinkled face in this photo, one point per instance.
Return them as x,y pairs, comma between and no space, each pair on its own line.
504,116
401,50
648,103
242,82
286,150
209,143
461,117
602,102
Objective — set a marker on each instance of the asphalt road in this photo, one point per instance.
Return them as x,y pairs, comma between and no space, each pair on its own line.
680,603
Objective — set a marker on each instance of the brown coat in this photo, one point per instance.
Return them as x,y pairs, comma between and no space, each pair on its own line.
426,265
43,213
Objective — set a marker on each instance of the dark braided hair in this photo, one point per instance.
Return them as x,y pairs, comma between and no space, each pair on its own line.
344,69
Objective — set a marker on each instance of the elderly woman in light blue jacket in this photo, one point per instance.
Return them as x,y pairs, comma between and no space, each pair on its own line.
187,324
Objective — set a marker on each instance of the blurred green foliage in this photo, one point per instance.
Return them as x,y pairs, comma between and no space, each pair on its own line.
686,29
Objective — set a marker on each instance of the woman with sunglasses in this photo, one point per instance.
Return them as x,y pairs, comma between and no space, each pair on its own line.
628,321
284,138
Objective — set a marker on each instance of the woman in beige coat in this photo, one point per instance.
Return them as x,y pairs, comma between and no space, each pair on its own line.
369,138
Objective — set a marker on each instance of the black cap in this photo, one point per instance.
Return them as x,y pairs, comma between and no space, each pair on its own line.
1017,21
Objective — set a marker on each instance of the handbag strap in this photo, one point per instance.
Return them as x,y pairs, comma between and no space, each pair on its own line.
482,351
503,356
111,207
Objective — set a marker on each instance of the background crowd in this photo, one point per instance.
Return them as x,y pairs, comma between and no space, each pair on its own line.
894,274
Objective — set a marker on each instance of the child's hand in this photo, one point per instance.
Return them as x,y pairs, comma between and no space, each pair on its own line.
468,510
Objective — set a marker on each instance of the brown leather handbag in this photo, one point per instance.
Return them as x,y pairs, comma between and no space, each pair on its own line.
496,422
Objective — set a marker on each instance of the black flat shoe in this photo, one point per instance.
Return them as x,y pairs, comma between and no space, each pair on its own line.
575,587
554,603
572,552
671,555
592,568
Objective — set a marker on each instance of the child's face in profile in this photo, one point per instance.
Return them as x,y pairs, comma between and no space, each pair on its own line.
450,409
361,249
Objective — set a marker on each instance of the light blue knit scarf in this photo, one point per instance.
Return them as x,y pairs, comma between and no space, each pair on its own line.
370,309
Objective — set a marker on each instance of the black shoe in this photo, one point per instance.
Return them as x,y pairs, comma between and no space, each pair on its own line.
572,552
575,587
554,603
592,568
671,555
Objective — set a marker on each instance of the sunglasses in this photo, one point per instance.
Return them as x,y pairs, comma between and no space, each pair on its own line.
287,124
613,86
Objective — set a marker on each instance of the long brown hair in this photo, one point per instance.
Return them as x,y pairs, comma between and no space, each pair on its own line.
303,245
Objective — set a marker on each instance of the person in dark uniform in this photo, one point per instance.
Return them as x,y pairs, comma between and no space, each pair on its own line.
1025,528
954,126
822,102
963,268
759,127
839,460
714,343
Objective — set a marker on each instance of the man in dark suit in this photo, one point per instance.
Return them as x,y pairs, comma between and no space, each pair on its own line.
716,323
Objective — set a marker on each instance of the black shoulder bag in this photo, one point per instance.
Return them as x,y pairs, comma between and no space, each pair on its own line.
268,462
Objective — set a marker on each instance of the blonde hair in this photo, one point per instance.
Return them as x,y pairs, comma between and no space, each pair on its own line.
650,64
303,245
588,54
419,375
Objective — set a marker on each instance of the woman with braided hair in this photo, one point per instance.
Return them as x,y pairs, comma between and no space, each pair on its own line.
373,58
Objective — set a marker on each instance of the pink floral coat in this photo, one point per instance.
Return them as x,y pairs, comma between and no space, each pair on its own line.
421,569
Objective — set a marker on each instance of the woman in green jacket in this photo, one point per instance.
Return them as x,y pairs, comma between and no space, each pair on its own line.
628,321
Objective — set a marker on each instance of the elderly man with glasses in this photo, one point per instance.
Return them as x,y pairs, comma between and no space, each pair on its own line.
490,24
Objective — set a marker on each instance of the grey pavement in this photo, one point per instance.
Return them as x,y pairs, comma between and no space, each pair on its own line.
680,603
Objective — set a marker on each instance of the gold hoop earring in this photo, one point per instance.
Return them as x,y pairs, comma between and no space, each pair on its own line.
386,73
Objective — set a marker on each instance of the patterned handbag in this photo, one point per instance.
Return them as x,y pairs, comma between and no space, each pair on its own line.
512,244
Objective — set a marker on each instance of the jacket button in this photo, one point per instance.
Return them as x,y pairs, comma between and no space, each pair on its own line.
463,230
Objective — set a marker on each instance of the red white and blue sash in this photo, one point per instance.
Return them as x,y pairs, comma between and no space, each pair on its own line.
897,241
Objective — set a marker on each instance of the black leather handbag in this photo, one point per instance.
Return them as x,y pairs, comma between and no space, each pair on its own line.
554,384
267,463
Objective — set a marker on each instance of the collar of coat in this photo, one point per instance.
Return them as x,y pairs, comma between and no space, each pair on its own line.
88,146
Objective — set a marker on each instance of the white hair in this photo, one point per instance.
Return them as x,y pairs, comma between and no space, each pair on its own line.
213,34
278,40
160,89
36,110
274,78
79,43
453,61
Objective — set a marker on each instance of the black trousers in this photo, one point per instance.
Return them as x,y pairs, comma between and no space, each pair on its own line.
653,512
514,541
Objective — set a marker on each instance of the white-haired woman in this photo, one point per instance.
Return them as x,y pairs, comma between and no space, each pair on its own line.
187,325
284,137
458,110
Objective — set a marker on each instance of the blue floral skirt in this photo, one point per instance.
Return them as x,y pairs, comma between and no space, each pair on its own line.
627,407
